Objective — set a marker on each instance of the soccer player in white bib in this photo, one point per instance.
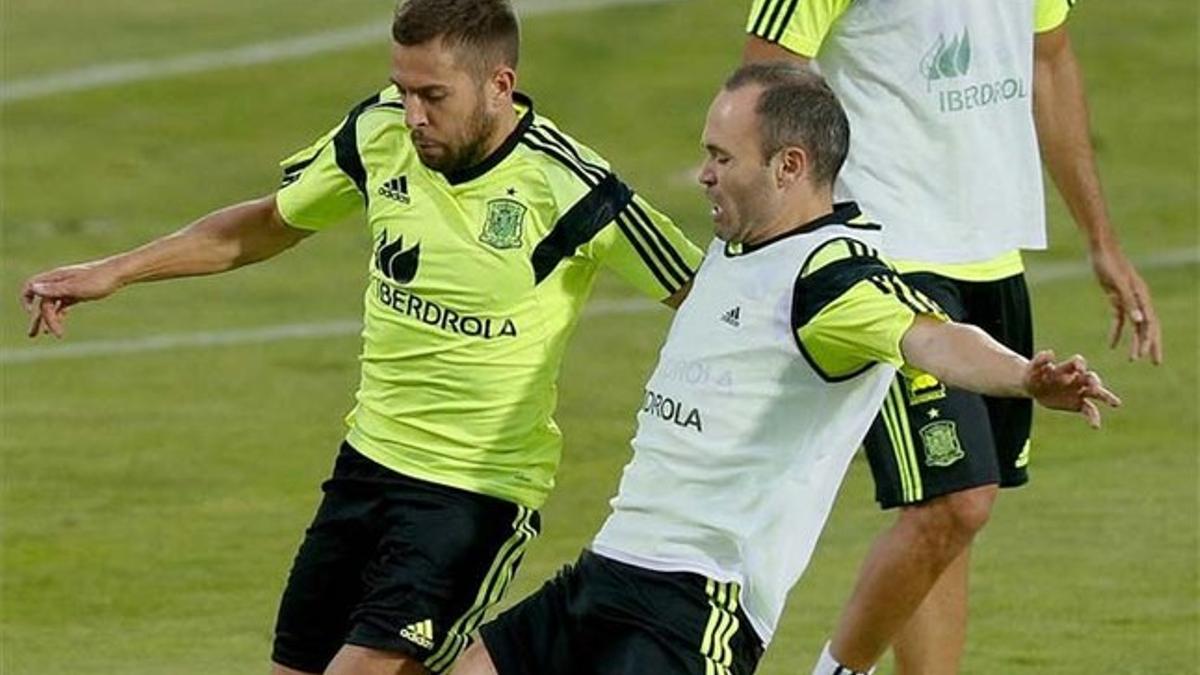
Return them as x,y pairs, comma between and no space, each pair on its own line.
950,103
769,378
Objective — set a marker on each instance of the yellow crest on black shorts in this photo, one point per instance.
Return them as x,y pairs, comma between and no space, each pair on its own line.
941,443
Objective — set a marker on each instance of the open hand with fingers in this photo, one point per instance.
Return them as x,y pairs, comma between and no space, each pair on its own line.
1068,385
48,296
1131,304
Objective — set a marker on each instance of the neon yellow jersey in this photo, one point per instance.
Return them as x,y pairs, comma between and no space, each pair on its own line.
475,282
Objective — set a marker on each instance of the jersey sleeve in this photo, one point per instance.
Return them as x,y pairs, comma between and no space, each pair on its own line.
647,250
601,220
799,26
851,310
1050,14
323,184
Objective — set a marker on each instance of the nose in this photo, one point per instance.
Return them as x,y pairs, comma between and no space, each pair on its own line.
414,113
707,176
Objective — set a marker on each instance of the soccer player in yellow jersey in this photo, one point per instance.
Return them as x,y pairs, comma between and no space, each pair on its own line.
490,226
949,104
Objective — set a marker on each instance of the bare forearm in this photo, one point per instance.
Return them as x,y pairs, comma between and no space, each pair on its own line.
225,239
1061,114
964,356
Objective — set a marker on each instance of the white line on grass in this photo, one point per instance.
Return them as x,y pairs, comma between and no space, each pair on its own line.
1042,274
342,39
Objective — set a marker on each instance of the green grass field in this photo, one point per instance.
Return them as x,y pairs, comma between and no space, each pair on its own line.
151,502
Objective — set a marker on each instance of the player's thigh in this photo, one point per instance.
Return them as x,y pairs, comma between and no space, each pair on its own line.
1002,309
538,635
676,623
445,558
325,581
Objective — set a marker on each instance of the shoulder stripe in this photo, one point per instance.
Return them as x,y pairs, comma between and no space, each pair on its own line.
651,255
579,225
814,292
567,154
345,146
551,134
902,296
292,171
557,154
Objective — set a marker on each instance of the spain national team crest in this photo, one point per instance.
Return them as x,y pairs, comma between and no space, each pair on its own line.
941,443
503,226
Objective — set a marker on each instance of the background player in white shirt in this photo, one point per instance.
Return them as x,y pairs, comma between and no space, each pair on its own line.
949,103
770,376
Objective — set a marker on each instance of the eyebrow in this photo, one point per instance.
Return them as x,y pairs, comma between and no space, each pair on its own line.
712,147
418,90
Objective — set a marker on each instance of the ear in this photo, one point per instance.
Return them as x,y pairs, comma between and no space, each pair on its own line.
792,166
501,84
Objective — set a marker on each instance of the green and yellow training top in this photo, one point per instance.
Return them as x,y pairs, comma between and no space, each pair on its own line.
476,281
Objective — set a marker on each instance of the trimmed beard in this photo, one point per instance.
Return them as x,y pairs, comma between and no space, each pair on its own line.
480,128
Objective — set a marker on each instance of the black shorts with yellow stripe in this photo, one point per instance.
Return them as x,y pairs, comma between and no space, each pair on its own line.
397,564
931,440
603,617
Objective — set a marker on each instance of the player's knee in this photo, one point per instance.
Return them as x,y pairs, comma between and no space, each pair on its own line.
356,660
950,522
971,509
475,661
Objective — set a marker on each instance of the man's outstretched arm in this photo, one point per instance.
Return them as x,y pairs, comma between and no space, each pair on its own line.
231,237
966,357
1060,111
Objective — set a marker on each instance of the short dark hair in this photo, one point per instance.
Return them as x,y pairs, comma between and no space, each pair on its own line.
797,108
484,30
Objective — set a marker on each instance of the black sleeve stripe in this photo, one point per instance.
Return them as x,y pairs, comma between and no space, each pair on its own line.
929,305
551,133
582,175
293,170
657,242
784,21
623,225
345,146
566,153
759,27
902,296
646,243
768,25
540,144
877,280
680,266
580,224
814,292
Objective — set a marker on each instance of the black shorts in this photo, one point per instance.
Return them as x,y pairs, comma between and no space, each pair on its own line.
930,440
603,617
397,564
